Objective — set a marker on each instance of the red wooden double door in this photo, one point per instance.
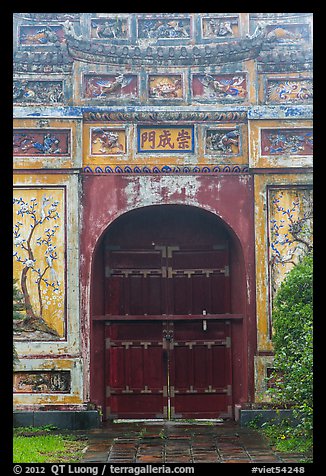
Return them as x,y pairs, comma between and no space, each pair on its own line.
167,336
168,369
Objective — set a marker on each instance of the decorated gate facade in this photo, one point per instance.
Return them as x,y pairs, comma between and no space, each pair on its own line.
162,190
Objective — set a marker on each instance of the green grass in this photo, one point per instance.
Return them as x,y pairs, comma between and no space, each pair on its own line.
34,445
287,439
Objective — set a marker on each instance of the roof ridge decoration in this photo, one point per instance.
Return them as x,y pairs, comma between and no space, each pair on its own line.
163,116
213,53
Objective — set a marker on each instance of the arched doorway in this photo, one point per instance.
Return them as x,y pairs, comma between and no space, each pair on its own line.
168,296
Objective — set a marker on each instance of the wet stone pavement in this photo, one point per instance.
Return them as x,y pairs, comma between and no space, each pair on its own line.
180,442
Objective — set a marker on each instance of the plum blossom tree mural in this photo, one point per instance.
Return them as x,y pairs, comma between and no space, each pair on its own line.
36,251
291,213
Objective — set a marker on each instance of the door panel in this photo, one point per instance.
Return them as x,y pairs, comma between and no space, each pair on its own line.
153,366
167,280
200,279
135,370
164,368
201,370
134,284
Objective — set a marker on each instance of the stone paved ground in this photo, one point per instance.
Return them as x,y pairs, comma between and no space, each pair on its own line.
180,442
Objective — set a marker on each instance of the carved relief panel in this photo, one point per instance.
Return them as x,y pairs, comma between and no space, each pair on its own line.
30,91
281,143
41,35
222,87
110,86
286,142
285,89
47,142
164,28
110,28
215,27
107,141
42,382
288,32
293,91
168,86
222,141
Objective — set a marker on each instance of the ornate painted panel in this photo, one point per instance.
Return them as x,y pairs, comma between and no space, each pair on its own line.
294,91
41,92
286,141
290,218
42,382
106,141
219,27
39,261
109,28
230,87
165,86
169,139
113,86
41,35
161,28
222,141
48,142
288,32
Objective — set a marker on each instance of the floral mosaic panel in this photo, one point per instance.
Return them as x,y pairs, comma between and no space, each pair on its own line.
222,141
108,28
217,27
105,141
290,230
164,28
286,141
295,91
42,382
41,35
165,87
231,87
111,86
39,261
31,91
48,142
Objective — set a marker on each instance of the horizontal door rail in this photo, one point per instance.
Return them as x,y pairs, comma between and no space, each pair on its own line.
166,317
